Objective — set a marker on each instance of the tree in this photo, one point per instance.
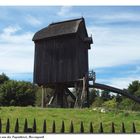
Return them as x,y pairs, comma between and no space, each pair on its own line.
118,98
92,96
133,88
105,95
3,78
17,93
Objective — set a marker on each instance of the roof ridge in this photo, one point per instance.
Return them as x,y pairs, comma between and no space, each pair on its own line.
66,21
59,28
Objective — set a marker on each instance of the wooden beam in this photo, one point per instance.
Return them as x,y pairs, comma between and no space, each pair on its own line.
87,90
70,93
116,90
43,96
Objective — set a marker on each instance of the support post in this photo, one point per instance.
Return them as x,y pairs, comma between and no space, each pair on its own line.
84,92
43,96
76,105
87,90
60,94
60,98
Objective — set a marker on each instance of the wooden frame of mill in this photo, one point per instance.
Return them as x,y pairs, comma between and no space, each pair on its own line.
61,62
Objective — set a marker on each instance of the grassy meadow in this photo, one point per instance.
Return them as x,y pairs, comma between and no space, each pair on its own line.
76,115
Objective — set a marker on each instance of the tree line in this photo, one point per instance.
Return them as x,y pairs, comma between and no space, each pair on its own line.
21,93
16,93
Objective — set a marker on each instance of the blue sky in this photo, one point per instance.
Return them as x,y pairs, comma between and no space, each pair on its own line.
114,56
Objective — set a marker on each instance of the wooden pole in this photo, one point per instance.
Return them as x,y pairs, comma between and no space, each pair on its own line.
42,103
83,94
76,100
61,94
87,90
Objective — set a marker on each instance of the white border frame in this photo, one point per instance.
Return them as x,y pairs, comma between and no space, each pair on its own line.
69,2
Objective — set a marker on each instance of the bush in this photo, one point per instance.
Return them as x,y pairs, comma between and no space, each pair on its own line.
111,104
98,102
17,93
128,104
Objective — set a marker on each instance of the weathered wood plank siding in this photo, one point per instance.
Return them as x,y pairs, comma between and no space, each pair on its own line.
62,58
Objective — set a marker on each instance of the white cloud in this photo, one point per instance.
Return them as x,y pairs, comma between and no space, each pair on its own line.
120,82
114,46
67,12
114,17
11,30
33,20
9,35
17,64
121,17
64,10
17,50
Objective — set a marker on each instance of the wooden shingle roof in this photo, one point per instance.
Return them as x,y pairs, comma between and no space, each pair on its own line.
58,29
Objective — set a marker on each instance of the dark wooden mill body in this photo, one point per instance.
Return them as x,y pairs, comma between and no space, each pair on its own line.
61,59
61,62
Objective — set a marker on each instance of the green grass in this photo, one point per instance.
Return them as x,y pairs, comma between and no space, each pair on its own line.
76,115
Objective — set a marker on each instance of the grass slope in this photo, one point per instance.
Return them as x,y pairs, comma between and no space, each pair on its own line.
76,115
